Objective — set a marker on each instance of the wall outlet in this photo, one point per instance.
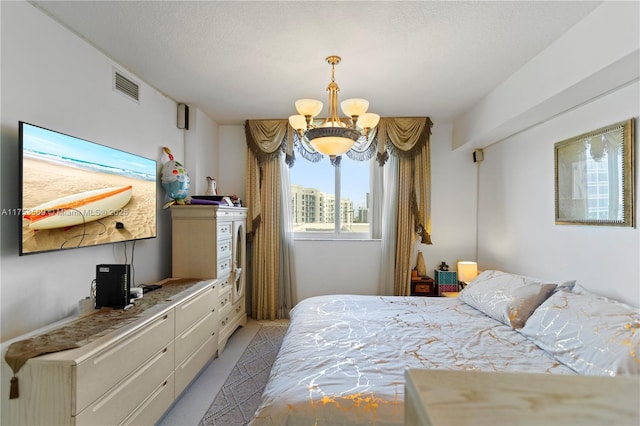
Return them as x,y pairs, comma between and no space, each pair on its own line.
86,306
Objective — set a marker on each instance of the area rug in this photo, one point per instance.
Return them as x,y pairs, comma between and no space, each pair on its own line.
240,395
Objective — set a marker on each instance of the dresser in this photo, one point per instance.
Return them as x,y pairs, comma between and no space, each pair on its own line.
129,372
210,242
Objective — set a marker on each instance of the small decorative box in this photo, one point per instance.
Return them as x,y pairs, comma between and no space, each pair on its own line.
446,277
446,288
446,280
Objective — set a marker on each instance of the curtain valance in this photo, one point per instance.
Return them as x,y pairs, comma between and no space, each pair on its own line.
402,136
267,138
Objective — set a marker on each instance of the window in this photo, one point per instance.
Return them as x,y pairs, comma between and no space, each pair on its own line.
330,201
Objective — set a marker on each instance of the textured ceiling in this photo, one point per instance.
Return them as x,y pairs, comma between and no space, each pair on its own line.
237,60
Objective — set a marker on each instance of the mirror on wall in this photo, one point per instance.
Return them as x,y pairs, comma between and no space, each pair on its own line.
239,261
594,177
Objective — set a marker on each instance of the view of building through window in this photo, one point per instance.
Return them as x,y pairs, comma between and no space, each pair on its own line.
316,190
601,204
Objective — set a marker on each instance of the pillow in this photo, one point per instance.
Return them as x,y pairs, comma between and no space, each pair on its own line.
588,333
506,297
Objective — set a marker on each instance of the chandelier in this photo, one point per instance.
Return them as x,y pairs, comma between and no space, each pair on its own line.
333,137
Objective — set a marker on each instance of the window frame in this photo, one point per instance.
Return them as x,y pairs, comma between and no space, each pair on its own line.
337,234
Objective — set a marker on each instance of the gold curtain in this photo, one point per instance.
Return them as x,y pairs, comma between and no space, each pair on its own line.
409,140
265,141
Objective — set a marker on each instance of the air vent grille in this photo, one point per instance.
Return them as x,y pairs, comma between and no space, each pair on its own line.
126,86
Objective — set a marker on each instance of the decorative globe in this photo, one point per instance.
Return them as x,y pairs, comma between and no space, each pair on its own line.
175,180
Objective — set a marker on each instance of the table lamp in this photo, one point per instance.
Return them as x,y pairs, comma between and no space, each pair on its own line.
467,271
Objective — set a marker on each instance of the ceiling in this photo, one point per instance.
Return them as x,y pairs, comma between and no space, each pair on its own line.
238,60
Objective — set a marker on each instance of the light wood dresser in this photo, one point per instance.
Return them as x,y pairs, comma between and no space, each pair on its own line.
130,374
210,242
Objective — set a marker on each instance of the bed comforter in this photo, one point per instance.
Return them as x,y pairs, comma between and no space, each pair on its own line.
343,358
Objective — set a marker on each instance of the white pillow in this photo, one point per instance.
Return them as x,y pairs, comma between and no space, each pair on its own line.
591,334
506,297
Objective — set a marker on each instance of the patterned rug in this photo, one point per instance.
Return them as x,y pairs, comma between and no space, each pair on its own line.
240,395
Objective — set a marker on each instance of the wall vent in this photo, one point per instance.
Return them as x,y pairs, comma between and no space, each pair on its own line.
126,86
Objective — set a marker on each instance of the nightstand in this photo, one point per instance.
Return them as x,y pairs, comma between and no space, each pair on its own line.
424,286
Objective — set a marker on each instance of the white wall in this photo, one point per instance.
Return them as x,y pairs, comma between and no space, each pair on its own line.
517,229
201,146
336,267
232,161
453,202
52,78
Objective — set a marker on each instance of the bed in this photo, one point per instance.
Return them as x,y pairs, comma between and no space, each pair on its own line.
343,358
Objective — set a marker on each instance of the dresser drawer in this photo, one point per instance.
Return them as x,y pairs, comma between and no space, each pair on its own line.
99,373
186,371
195,336
195,308
114,406
224,248
230,313
150,411
225,231
224,267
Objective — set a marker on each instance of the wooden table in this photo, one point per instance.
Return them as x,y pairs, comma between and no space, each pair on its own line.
446,397
424,286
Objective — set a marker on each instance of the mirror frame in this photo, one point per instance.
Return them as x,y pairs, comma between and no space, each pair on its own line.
564,152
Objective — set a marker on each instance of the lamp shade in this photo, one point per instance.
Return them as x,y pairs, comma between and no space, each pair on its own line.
354,107
310,107
467,271
332,145
368,120
298,122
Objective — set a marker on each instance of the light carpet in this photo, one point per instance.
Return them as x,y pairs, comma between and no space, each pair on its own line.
240,395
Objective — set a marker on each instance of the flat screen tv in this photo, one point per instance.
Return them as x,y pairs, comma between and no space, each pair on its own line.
77,193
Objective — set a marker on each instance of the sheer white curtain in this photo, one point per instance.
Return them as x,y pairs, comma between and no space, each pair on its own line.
384,186
287,283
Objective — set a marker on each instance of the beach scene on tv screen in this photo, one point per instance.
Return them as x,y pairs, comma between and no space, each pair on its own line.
77,193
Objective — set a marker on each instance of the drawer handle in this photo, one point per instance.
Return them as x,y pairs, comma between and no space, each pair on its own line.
165,317
165,350
165,383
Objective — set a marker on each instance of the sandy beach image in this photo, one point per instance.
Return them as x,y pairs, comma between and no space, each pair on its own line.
45,181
